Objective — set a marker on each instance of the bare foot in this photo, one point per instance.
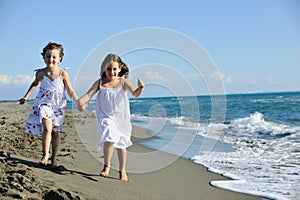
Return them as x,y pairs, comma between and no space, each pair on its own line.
123,176
44,160
53,162
105,171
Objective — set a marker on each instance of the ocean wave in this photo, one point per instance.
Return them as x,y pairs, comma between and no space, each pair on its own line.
266,157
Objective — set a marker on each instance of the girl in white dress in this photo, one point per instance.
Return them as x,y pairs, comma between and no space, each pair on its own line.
112,111
47,114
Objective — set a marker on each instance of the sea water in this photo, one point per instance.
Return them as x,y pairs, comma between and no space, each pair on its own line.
256,143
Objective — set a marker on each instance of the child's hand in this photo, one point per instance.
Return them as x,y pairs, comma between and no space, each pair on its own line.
22,101
84,106
140,83
81,106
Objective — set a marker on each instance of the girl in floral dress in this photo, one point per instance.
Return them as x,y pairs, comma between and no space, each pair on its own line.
47,114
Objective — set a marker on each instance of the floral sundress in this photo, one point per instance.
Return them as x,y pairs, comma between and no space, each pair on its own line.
50,103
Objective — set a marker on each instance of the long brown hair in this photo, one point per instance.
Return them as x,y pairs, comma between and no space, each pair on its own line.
114,58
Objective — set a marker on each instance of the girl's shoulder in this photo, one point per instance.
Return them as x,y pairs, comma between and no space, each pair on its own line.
62,72
39,72
125,81
121,82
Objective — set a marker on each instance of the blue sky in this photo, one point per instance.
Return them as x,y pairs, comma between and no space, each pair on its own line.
254,44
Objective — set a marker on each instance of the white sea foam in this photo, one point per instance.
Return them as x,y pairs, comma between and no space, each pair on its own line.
234,185
267,158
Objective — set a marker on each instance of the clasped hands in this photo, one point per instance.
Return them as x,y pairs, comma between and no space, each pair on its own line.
81,105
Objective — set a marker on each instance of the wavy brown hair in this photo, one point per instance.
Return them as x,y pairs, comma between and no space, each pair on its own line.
51,46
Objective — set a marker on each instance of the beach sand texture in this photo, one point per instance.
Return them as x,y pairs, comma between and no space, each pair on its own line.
77,176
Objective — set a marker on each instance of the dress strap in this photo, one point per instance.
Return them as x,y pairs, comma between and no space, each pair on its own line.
61,71
122,83
40,70
100,83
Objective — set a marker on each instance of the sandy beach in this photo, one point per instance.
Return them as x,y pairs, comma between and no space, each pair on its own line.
77,176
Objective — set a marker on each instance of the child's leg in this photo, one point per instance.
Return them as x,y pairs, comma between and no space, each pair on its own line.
55,144
122,154
108,152
46,139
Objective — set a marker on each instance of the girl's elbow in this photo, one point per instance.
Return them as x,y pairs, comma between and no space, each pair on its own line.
70,92
136,94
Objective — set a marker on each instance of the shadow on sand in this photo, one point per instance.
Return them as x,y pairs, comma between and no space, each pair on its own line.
60,169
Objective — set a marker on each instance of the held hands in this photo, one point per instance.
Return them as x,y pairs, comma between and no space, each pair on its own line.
81,106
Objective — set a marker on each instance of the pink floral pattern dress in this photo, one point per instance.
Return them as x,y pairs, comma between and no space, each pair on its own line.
50,103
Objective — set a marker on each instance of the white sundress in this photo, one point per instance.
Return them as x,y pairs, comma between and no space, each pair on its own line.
50,103
113,117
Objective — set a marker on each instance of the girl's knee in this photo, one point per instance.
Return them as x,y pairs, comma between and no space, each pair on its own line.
47,125
121,150
46,121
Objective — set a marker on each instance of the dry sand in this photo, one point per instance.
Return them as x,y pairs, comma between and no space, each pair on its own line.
77,176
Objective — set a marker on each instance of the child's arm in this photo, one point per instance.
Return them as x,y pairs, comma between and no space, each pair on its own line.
82,101
90,93
135,92
69,88
33,86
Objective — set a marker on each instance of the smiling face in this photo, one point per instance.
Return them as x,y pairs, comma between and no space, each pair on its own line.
112,70
52,57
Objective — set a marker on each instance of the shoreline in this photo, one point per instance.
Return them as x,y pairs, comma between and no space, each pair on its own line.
79,165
